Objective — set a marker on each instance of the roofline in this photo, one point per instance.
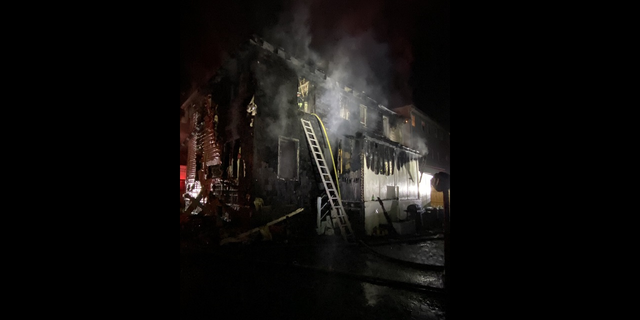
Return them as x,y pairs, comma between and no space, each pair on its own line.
299,66
309,69
390,143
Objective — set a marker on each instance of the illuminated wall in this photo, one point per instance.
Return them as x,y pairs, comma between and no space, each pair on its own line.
397,191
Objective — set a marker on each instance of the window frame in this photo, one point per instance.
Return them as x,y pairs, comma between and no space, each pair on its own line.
297,160
344,107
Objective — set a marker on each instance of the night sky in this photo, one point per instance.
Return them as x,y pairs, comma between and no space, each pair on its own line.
395,51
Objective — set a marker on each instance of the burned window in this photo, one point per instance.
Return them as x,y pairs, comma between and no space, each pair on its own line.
363,114
234,160
306,96
227,159
344,108
288,155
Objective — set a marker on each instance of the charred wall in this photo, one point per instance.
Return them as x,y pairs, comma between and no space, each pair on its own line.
233,90
284,174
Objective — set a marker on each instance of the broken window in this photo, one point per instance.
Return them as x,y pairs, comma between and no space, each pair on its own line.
306,96
363,114
288,156
227,158
385,126
344,109
234,159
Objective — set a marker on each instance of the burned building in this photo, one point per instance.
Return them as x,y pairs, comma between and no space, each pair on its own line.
248,145
422,133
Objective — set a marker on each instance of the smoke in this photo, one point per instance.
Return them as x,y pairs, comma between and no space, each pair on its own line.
366,44
280,122
283,95
293,34
421,145
354,43
340,41
362,63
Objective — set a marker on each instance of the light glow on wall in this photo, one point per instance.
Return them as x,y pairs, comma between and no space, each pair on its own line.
425,186
183,172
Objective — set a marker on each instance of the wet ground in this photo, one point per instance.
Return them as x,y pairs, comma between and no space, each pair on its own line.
327,279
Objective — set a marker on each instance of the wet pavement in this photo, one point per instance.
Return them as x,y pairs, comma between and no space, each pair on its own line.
384,279
425,252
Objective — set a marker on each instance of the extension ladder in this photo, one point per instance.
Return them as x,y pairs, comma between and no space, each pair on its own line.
338,214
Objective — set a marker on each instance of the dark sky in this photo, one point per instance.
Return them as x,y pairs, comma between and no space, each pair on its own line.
396,51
